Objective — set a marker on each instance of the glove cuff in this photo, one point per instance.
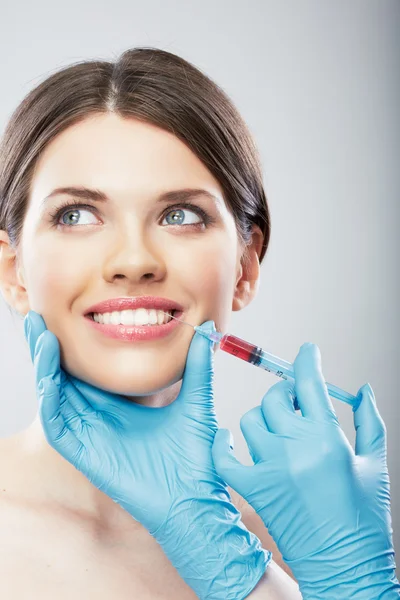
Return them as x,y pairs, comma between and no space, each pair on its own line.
371,577
211,548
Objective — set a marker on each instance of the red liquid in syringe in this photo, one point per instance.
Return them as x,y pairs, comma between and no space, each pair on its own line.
242,349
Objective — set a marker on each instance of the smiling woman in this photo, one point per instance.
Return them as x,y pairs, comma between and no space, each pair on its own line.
142,189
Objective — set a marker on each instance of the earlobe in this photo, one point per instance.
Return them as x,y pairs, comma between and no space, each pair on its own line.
10,275
242,295
249,275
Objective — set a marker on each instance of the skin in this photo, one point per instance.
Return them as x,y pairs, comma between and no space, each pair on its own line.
125,247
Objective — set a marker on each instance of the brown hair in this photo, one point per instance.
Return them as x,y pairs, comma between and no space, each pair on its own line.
151,85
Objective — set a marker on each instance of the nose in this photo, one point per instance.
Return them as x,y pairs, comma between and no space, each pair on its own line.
134,256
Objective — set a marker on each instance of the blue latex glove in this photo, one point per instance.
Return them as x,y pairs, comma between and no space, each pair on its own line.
155,462
326,506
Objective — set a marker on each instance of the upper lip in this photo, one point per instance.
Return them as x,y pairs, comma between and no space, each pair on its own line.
132,303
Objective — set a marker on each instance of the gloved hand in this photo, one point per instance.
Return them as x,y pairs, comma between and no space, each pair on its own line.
155,462
326,506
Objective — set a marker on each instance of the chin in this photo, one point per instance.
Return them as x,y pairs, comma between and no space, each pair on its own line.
132,388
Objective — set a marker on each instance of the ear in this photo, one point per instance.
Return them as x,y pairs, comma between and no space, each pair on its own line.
248,277
11,276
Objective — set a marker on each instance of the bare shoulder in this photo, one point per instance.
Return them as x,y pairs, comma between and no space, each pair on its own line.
254,523
12,526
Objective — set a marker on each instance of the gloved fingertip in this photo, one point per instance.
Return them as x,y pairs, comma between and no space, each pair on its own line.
208,326
306,346
370,391
223,438
226,464
365,392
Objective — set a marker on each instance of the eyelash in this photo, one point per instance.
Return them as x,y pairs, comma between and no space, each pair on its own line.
55,216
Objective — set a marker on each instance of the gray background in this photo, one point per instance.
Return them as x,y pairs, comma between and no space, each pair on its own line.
318,84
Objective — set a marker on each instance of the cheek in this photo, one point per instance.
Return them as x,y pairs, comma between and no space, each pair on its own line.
54,277
210,277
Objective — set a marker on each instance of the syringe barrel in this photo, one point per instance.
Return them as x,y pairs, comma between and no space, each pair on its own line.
282,368
241,349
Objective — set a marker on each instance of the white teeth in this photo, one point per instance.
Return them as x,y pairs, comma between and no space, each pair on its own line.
140,316
114,318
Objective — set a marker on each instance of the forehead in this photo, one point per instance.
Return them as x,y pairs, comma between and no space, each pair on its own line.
135,156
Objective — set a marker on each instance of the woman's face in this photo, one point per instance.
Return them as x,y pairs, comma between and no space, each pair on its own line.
127,246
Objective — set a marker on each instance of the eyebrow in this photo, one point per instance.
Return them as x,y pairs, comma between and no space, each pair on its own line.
96,195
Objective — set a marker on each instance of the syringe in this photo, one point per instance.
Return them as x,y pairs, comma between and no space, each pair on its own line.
260,358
